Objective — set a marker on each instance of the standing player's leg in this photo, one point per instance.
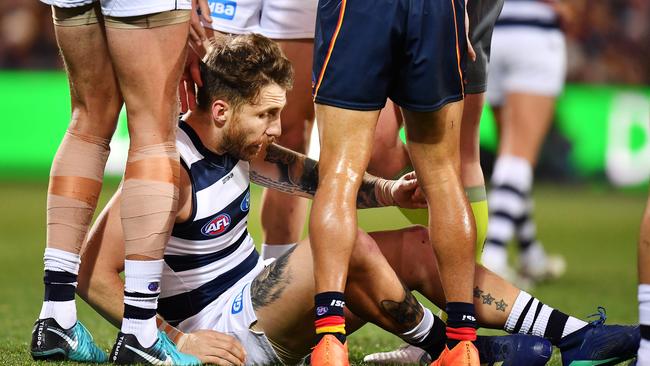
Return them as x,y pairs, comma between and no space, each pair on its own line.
389,158
432,140
76,178
283,215
148,53
528,73
344,155
644,288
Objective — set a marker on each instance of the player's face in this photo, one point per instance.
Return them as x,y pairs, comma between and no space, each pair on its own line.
254,126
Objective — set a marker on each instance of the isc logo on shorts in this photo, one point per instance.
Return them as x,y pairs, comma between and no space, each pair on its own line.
223,8
216,226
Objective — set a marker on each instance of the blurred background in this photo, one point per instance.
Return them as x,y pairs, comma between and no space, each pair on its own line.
593,171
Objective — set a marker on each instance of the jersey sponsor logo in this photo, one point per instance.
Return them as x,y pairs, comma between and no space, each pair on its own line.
223,9
238,303
246,202
216,226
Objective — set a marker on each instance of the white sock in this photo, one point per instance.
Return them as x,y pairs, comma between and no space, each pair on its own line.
275,250
417,334
530,316
644,353
513,171
142,280
65,266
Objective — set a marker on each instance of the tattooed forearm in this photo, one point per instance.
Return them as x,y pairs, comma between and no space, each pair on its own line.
295,173
487,299
269,285
408,312
367,197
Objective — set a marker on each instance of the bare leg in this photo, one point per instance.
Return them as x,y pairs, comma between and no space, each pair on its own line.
346,142
148,64
78,167
283,215
524,121
433,143
389,155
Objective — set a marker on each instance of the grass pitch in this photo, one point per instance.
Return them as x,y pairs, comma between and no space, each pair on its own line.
595,228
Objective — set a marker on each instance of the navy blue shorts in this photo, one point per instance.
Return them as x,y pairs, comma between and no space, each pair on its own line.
411,51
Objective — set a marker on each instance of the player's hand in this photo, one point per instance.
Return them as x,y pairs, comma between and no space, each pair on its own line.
189,80
212,347
197,32
405,192
470,49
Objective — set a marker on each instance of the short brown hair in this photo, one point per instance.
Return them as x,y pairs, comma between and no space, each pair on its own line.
237,68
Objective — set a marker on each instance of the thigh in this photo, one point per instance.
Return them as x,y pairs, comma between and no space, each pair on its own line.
235,16
283,299
298,115
93,87
148,64
288,19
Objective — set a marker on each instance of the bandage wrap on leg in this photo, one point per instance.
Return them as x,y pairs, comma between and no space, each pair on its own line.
75,184
150,198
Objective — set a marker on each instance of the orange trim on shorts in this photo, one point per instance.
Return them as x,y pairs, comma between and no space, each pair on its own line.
331,47
460,69
156,169
78,188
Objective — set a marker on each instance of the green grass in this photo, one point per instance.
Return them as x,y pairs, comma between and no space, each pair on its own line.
595,229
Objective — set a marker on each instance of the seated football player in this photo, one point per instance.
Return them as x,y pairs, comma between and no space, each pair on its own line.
228,307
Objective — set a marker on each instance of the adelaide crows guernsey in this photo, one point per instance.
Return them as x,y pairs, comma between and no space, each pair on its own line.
212,250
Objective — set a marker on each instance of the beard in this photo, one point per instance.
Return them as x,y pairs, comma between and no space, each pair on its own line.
237,143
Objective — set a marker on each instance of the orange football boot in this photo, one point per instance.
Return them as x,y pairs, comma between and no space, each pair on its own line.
330,352
464,354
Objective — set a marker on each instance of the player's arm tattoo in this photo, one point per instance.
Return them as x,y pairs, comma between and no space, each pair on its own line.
271,282
487,299
407,312
295,173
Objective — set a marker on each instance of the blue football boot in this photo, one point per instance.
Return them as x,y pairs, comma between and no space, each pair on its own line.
127,350
600,344
514,350
51,342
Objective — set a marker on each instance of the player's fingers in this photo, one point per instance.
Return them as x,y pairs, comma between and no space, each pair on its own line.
227,356
410,175
225,342
195,36
205,11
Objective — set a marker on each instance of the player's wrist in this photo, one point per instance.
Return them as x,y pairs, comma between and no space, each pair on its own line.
384,192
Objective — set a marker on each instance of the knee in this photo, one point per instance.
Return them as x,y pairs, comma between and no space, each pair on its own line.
365,251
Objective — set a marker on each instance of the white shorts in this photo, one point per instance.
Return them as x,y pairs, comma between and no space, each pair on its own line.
126,8
233,314
526,59
276,19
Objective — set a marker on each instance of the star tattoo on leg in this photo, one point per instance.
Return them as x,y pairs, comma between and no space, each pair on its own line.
477,292
501,305
488,299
